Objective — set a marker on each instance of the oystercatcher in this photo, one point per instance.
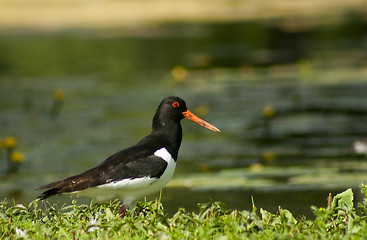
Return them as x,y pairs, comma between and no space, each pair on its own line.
137,171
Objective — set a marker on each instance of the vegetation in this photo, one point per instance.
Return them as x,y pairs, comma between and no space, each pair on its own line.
40,220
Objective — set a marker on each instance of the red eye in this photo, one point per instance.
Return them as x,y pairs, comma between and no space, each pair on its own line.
175,104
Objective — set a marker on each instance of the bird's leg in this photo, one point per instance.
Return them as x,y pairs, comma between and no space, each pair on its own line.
122,211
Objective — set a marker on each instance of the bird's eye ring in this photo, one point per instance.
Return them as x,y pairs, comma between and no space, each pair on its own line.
175,104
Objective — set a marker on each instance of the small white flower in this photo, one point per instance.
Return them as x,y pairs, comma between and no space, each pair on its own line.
360,147
20,206
21,233
93,225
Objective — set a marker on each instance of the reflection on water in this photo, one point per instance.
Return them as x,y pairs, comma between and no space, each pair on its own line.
290,106
298,202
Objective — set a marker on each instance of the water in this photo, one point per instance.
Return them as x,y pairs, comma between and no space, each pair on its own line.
113,85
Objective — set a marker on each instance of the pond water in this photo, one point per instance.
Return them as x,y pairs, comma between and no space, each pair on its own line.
311,83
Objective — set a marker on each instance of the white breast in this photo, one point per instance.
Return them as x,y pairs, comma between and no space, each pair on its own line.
170,169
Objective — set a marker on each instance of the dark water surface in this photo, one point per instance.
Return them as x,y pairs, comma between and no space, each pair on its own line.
314,80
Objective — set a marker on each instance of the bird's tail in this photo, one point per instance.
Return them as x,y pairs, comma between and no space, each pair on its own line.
50,192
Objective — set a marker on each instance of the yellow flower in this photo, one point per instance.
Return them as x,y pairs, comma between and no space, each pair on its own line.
256,167
305,68
59,95
269,156
202,110
202,60
268,111
10,142
179,73
1,143
205,168
17,157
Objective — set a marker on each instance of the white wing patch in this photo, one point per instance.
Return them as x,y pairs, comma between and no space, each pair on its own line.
131,190
164,154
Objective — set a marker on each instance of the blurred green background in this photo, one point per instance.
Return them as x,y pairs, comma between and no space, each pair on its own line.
285,81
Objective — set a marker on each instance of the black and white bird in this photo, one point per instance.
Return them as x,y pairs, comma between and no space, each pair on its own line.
137,171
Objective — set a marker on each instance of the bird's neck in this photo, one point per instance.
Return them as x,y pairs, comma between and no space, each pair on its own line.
168,132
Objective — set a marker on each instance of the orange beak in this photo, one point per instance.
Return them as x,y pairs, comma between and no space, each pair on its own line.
190,116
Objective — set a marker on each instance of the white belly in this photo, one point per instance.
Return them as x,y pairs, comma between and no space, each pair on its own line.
131,190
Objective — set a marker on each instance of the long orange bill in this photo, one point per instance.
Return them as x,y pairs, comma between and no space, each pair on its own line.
190,116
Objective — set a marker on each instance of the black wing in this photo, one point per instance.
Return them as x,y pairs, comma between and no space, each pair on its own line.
134,162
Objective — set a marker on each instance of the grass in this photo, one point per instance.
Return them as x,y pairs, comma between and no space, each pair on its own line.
339,219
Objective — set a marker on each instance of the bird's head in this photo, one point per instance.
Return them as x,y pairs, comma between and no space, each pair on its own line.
175,108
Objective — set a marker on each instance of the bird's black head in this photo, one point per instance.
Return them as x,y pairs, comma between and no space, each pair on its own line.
173,110
166,123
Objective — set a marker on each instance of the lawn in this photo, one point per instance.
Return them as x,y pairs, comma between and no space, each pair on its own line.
338,219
